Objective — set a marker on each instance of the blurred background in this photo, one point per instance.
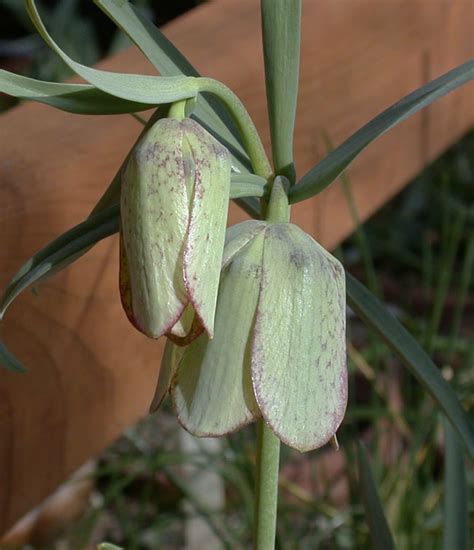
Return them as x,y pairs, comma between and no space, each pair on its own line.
417,254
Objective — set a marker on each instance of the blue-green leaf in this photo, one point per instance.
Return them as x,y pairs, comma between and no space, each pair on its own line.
456,497
324,173
247,185
83,99
169,61
378,526
281,26
405,347
61,252
8,361
76,241
140,88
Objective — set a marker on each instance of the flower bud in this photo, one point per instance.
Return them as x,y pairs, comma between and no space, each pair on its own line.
173,210
279,345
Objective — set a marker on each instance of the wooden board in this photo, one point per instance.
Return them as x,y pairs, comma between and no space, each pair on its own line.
90,374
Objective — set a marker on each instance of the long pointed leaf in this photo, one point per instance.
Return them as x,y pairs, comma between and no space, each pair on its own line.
52,258
281,22
376,316
247,185
8,361
324,173
456,513
169,61
61,252
72,244
378,526
83,99
140,88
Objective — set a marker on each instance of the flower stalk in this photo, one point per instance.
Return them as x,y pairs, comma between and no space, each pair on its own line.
268,444
251,139
266,487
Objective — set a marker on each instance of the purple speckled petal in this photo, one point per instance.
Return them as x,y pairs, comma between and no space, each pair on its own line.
154,211
206,232
299,354
212,392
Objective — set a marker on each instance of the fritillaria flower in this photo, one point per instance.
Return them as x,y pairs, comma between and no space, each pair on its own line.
173,212
279,344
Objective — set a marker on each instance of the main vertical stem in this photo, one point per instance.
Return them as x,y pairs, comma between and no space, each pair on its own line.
268,444
266,487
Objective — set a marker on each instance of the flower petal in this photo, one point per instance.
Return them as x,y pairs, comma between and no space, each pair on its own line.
187,329
154,227
206,233
212,391
298,358
169,363
124,283
239,235
184,324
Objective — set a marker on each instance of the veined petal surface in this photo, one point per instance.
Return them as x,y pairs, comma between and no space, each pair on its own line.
298,357
156,193
206,233
212,391
172,355
239,235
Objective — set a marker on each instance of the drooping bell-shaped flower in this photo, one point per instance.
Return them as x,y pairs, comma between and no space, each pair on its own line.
279,344
173,211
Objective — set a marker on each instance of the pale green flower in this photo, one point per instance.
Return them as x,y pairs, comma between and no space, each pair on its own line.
279,345
173,211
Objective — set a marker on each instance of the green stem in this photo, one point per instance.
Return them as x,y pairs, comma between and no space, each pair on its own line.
278,209
250,137
268,444
266,488
178,110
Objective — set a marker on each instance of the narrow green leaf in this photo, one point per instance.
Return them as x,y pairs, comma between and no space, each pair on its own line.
281,26
8,361
405,347
456,497
378,526
75,242
83,99
324,173
61,252
247,185
169,61
140,88
108,546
